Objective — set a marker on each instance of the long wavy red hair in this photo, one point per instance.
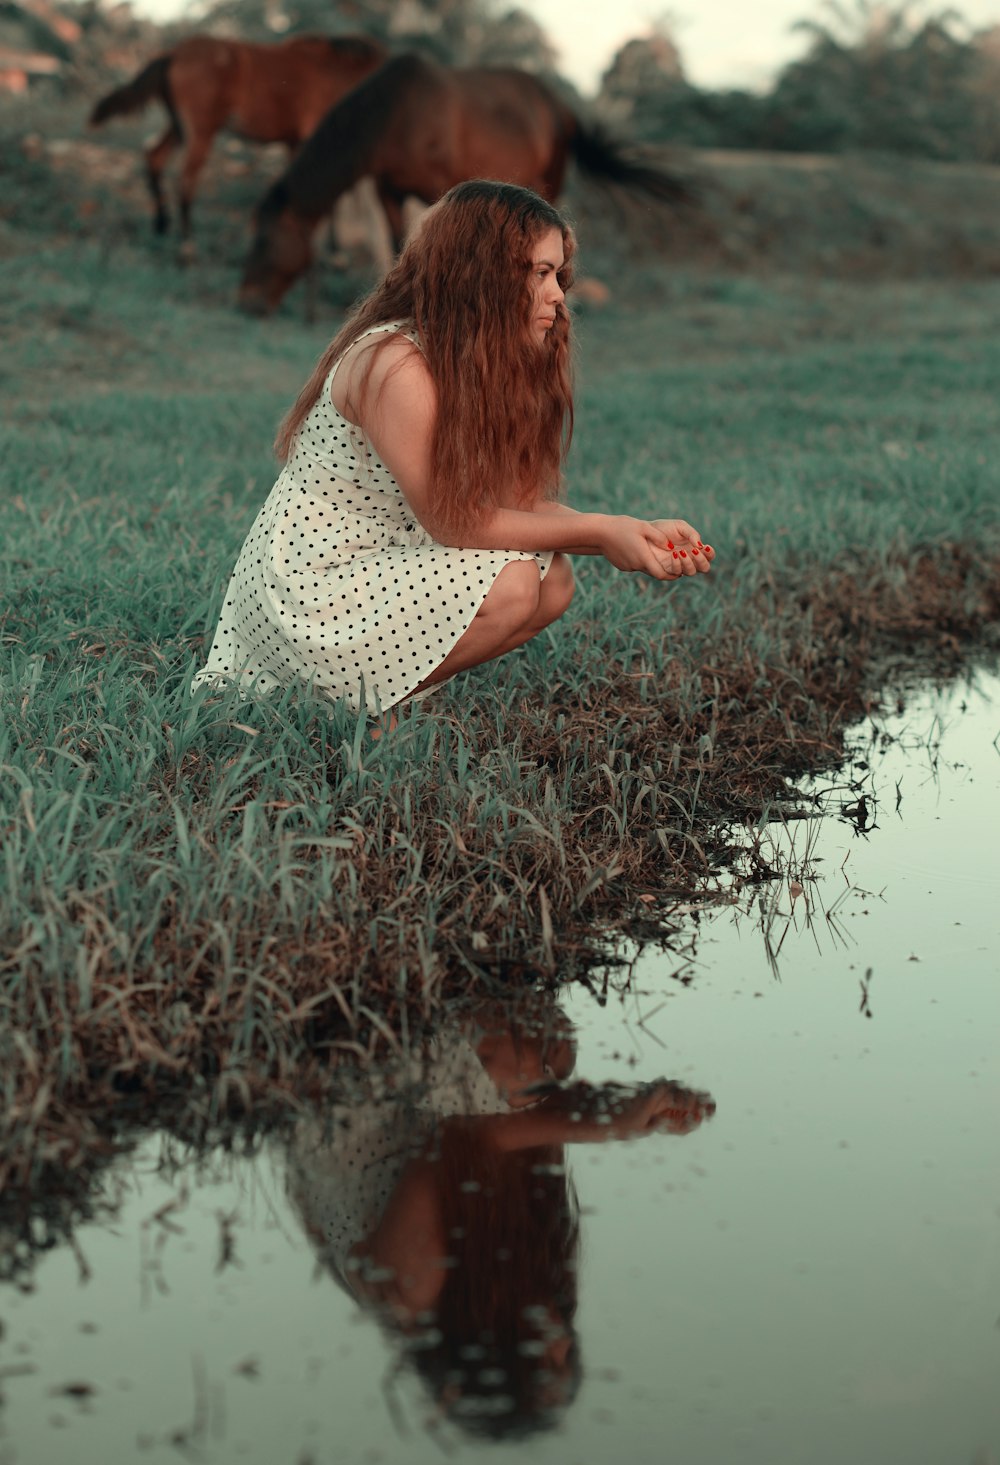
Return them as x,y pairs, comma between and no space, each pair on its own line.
504,400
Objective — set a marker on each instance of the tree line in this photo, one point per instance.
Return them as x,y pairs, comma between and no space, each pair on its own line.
874,78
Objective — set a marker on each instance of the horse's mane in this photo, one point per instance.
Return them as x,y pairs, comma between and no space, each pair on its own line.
337,154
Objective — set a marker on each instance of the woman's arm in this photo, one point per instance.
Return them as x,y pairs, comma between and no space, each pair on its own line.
583,1113
396,408
683,543
547,506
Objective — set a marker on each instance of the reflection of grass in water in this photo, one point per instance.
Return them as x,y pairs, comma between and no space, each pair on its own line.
211,890
777,885
773,877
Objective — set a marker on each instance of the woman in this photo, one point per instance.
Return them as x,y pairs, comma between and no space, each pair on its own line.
415,530
444,1205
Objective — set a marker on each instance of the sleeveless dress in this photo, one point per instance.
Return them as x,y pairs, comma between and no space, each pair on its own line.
338,585
341,1170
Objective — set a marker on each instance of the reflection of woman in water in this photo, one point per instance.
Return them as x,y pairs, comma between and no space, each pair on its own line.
453,1217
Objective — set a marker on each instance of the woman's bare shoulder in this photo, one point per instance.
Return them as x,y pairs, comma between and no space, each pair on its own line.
394,354
374,363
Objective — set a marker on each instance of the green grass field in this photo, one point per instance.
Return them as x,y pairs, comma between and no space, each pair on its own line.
213,892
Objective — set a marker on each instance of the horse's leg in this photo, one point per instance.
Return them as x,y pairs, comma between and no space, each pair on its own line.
157,157
194,161
373,225
349,231
392,202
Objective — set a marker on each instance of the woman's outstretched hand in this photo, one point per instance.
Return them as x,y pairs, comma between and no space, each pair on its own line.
615,1111
685,551
666,549
664,1106
636,545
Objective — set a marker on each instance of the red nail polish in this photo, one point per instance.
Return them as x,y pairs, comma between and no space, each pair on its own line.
709,548
696,551
670,544
683,554
675,554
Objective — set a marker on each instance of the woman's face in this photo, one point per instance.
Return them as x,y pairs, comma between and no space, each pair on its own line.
547,259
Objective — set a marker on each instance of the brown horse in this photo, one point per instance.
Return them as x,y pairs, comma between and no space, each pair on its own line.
417,128
265,93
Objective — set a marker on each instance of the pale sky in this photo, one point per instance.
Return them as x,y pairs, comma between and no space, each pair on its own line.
722,42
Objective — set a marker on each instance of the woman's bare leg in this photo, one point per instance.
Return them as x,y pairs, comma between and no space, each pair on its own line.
517,607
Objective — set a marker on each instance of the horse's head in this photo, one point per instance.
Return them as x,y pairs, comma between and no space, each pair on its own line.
280,253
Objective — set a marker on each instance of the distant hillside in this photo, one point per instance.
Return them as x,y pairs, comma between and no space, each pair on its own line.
869,215
864,214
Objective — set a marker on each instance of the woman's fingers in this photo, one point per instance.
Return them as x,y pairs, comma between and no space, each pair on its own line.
662,1106
659,566
667,569
680,1109
656,557
683,562
684,541
638,544
700,555
674,564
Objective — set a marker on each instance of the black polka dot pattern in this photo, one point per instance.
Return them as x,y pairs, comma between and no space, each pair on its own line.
338,585
343,1169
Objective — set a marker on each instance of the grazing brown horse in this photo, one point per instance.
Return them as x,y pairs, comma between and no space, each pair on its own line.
266,93
417,128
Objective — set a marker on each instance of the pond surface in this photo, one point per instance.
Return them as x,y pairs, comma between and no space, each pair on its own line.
809,1274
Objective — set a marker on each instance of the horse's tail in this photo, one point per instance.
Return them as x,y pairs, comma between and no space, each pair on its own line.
603,159
152,84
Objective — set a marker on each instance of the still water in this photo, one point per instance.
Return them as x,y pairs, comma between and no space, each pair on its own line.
795,1257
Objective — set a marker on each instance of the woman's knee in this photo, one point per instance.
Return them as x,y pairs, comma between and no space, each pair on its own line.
557,589
514,597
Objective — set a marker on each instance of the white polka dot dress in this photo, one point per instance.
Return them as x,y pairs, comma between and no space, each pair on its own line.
338,585
341,1172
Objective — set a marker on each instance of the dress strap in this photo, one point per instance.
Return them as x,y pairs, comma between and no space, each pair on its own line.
398,327
401,327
